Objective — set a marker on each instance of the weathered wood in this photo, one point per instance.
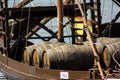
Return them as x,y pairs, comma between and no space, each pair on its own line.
28,52
90,40
60,20
55,74
44,21
45,11
69,57
38,52
36,28
40,11
111,55
26,72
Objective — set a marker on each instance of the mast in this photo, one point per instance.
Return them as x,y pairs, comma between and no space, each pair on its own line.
90,40
60,20
6,29
46,19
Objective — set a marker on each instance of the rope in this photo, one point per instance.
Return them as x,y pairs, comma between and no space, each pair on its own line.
113,56
19,33
28,24
111,20
90,40
103,8
56,7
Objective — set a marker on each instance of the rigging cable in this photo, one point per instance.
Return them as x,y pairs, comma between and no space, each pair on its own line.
111,20
103,7
113,56
90,40
57,19
51,25
108,26
18,38
68,29
28,23
1,51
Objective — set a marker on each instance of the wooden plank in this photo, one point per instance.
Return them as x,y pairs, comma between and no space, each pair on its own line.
90,40
22,71
45,20
55,74
45,11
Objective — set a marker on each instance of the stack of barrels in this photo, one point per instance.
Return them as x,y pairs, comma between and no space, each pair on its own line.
32,55
111,51
108,50
56,55
68,57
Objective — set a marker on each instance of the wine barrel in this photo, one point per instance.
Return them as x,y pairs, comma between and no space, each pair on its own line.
28,52
100,43
99,49
38,52
103,40
110,51
68,57
86,43
107,40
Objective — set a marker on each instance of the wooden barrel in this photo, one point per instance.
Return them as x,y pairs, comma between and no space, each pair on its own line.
99,48
106,40
38,52
110,51
69,57
86,43
101,42
28,52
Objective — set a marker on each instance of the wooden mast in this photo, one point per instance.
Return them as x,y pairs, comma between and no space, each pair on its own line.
5,33
90,40
45,20
60,20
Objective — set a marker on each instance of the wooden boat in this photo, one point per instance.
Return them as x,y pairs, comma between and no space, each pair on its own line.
11,64
20,71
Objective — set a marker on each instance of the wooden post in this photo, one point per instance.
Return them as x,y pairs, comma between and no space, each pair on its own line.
99,17
90,39
5,31
44,21
60,20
